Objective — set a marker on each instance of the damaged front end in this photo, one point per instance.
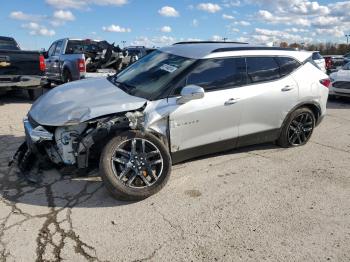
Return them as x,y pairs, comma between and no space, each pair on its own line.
75,148
68,146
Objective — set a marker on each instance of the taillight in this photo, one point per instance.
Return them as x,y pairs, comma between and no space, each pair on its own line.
326,82
81,65
42,63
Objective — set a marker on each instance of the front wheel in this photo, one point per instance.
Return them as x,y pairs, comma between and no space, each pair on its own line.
134,166
298,128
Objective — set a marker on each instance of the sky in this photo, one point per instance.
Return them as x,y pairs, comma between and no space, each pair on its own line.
35,24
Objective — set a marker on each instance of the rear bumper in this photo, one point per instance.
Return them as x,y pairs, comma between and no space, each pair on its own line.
19,82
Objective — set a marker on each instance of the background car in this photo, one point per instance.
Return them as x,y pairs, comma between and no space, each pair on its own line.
341,82
333,62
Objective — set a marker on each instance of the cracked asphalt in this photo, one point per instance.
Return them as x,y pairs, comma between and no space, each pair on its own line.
252,204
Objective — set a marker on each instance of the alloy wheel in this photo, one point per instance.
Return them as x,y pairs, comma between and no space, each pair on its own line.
300,129
137,162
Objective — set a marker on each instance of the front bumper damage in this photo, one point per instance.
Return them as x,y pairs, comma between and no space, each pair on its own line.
28,158
66,147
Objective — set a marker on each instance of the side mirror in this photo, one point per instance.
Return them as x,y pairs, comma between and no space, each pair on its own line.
190,92
46,54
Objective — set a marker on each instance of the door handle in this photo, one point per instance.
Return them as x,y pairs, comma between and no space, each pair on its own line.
56,61
287,88
231,101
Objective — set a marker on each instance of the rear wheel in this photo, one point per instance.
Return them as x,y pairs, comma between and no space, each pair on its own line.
134,166
67,76
298,129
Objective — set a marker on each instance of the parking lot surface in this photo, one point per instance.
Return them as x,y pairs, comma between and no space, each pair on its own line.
253,204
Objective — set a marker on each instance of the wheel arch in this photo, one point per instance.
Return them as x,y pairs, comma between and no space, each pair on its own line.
313,106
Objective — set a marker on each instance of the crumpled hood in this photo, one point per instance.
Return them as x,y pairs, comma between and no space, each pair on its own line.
82,100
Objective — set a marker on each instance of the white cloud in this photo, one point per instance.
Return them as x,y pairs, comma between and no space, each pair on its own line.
231,3
267,36
209,7
283,19
242,23
154,41
36,29
60,17
116,29
337,32
80,4
216,38
19,15
168,11
166,29
195,22
227,17
64,15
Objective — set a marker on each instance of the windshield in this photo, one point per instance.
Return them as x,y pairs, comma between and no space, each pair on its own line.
149,76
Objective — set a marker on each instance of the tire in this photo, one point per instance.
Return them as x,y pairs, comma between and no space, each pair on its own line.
35,93
67,76
298,128
148,170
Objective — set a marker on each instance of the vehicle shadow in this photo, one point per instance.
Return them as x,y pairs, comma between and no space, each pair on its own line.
54,189
17,96
339,103
67,190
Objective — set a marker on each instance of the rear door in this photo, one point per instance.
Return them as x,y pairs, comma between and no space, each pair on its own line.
55,60
213,120
49,61
267,100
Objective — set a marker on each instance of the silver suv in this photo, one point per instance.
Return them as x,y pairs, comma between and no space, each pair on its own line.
177,103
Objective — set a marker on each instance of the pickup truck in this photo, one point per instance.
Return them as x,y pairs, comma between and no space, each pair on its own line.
20,69
73,59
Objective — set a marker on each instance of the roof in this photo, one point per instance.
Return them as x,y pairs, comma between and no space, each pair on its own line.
202,50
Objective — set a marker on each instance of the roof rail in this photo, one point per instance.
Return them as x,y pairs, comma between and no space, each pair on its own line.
244,48
209,42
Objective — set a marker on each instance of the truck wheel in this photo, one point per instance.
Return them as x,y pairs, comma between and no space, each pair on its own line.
298,128
134,166
67,76
35,93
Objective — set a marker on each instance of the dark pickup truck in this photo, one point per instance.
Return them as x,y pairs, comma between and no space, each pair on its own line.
20,69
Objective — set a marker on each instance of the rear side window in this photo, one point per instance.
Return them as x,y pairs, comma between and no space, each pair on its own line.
261,69
287,65
316,56
213,74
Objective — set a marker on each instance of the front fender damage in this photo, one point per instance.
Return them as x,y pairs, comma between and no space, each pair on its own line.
152,118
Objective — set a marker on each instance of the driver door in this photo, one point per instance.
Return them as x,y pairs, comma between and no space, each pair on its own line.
209,124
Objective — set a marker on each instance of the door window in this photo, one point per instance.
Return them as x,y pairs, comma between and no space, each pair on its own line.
58,48
51,49
261,69
214,74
